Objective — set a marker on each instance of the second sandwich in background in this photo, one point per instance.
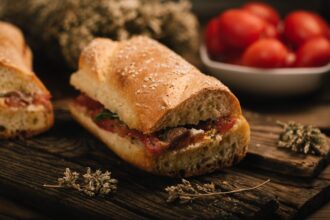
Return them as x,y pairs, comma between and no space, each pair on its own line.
157,111
25,107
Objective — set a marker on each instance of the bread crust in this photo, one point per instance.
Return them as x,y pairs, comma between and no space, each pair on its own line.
16,56
148,85
224,152
11,34
16,74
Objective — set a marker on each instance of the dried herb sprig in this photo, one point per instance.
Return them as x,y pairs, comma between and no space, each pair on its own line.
302,138
92,183
187,191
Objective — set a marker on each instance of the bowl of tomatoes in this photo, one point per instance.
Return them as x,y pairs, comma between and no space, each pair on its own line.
252,50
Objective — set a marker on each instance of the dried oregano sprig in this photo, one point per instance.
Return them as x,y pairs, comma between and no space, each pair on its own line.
188,191
302,138
92,183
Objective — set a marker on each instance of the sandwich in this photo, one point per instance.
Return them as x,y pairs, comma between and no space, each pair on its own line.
155,110
25,107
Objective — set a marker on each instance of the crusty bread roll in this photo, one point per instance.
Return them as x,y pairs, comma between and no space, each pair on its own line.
149,86
152,91
11,34
25,108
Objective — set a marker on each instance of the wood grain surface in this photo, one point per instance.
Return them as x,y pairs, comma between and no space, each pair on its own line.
264,153
27,164
22,202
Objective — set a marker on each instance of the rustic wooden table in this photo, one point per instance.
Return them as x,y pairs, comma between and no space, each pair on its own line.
311,109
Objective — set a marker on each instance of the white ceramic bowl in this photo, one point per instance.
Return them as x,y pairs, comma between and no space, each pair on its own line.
276,81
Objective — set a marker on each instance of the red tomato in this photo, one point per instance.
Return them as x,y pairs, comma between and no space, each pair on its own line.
264,11
271,31
314,52
300,26
212,39
239,28
291,59
266,53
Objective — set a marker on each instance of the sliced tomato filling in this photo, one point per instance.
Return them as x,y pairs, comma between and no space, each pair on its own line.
157,142
17,99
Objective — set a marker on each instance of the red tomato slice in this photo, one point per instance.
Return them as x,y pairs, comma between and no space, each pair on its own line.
225,124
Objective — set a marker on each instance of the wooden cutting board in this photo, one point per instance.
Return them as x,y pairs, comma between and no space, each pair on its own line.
264,153
28,164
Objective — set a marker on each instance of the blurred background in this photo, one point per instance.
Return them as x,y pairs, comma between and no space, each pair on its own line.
208,8
57,31
307,107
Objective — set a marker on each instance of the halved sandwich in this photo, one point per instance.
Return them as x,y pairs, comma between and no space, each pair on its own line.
155,110
25,107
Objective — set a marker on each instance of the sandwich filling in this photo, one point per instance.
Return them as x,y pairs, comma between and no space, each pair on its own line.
160,141
18,99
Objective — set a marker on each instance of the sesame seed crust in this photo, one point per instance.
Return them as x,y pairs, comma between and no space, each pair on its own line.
150,82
